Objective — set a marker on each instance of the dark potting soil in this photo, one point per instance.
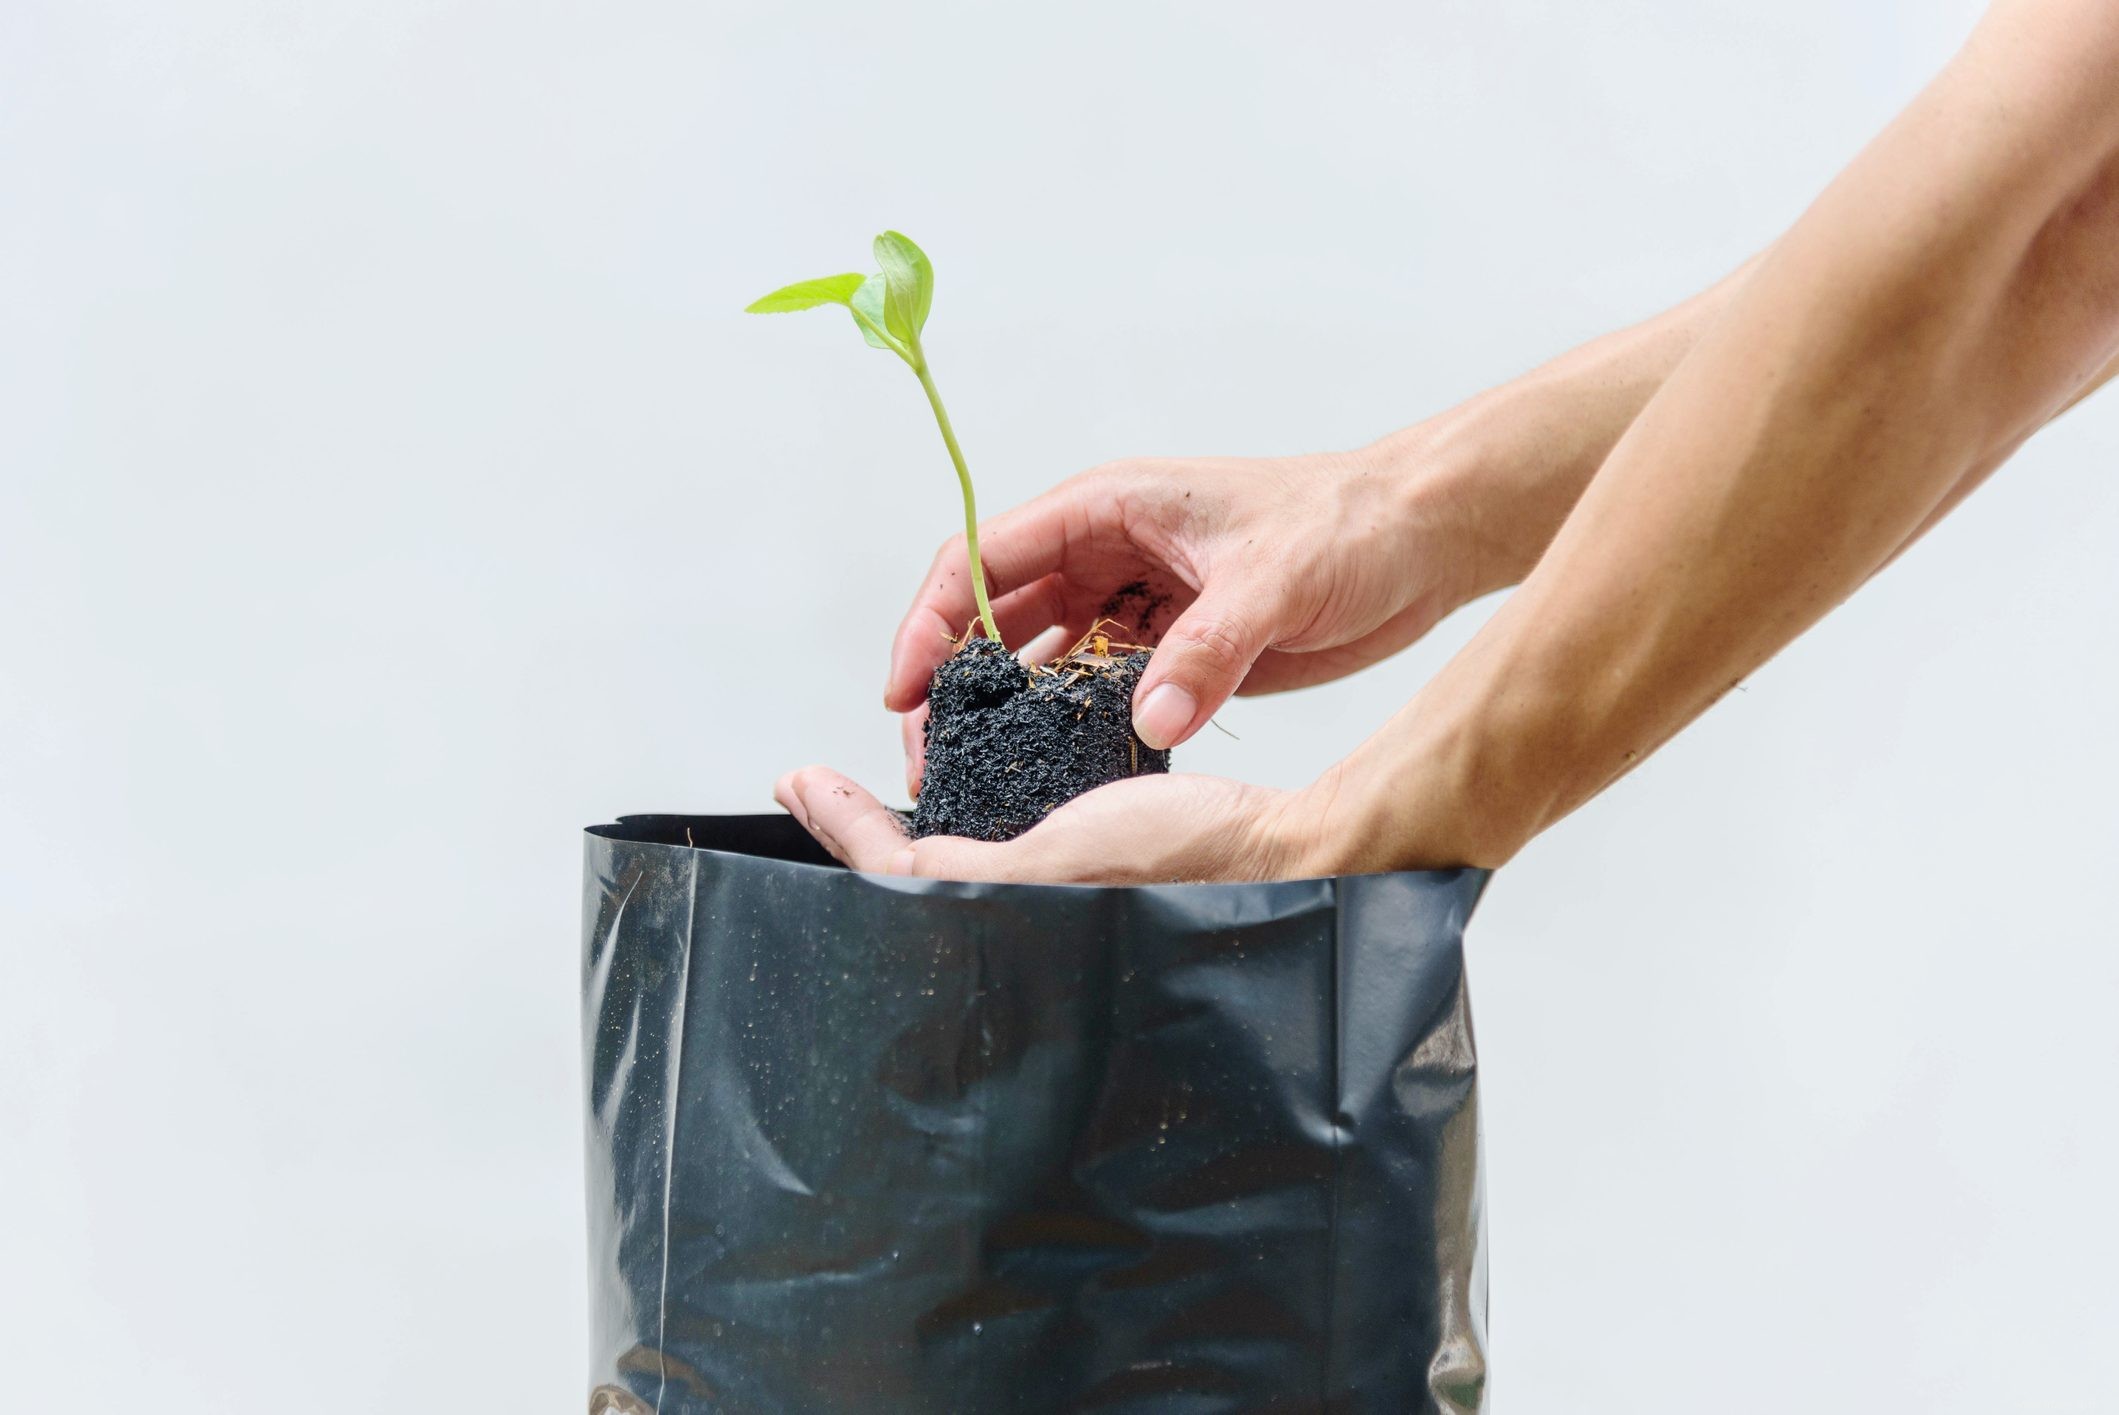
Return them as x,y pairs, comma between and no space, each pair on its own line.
1006,745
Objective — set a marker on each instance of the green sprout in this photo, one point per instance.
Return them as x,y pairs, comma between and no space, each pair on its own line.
891,309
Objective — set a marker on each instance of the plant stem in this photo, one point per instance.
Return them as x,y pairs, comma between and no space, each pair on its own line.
971,508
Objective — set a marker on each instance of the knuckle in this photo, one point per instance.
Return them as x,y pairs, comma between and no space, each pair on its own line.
1123,469
949,552
1130,490
1221,645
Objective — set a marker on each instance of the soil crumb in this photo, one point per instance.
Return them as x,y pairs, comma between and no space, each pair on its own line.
1007,745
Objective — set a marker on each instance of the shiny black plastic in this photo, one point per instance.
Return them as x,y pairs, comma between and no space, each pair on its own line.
877,1144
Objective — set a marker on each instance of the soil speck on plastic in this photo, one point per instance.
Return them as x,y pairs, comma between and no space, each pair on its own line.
1007,744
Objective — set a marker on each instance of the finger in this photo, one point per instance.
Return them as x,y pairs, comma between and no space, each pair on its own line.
1017,548
784,793
954,857
860,831
1279,669
1023,614
1199,663
913,726
1141,830
1057,850
1049,618
1047,646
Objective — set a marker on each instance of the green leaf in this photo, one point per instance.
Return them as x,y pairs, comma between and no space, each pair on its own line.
910,278
807,294
869,304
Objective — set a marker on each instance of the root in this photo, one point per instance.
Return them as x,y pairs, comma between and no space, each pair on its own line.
1095,648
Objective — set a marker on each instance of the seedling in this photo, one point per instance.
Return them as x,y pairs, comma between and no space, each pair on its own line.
891,309
1005,744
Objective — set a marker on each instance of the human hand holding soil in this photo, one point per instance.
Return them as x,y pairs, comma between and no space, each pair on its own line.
1750,460
1258,575
1248,575
1143,830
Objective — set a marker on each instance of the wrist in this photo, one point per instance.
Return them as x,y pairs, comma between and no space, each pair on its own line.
1482,479
1431,790
1435,476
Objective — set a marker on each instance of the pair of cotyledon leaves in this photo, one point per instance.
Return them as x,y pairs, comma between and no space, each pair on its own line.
890,307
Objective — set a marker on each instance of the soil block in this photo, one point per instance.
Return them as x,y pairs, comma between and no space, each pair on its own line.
1007,745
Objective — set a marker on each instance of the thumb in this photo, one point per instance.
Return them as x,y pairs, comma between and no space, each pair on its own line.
1201,660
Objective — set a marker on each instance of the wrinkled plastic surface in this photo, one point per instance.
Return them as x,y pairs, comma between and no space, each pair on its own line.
881,1144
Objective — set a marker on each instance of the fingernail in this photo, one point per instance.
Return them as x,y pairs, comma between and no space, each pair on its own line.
1164,714
901,863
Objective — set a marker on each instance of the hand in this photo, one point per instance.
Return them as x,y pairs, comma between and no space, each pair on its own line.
1144,830
1248,576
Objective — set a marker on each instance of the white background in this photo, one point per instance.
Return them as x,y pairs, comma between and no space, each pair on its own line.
391,487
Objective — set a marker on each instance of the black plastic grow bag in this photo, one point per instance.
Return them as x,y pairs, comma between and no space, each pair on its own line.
878,1144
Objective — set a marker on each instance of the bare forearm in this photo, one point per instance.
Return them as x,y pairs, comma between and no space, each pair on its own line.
1509,464
1956,287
